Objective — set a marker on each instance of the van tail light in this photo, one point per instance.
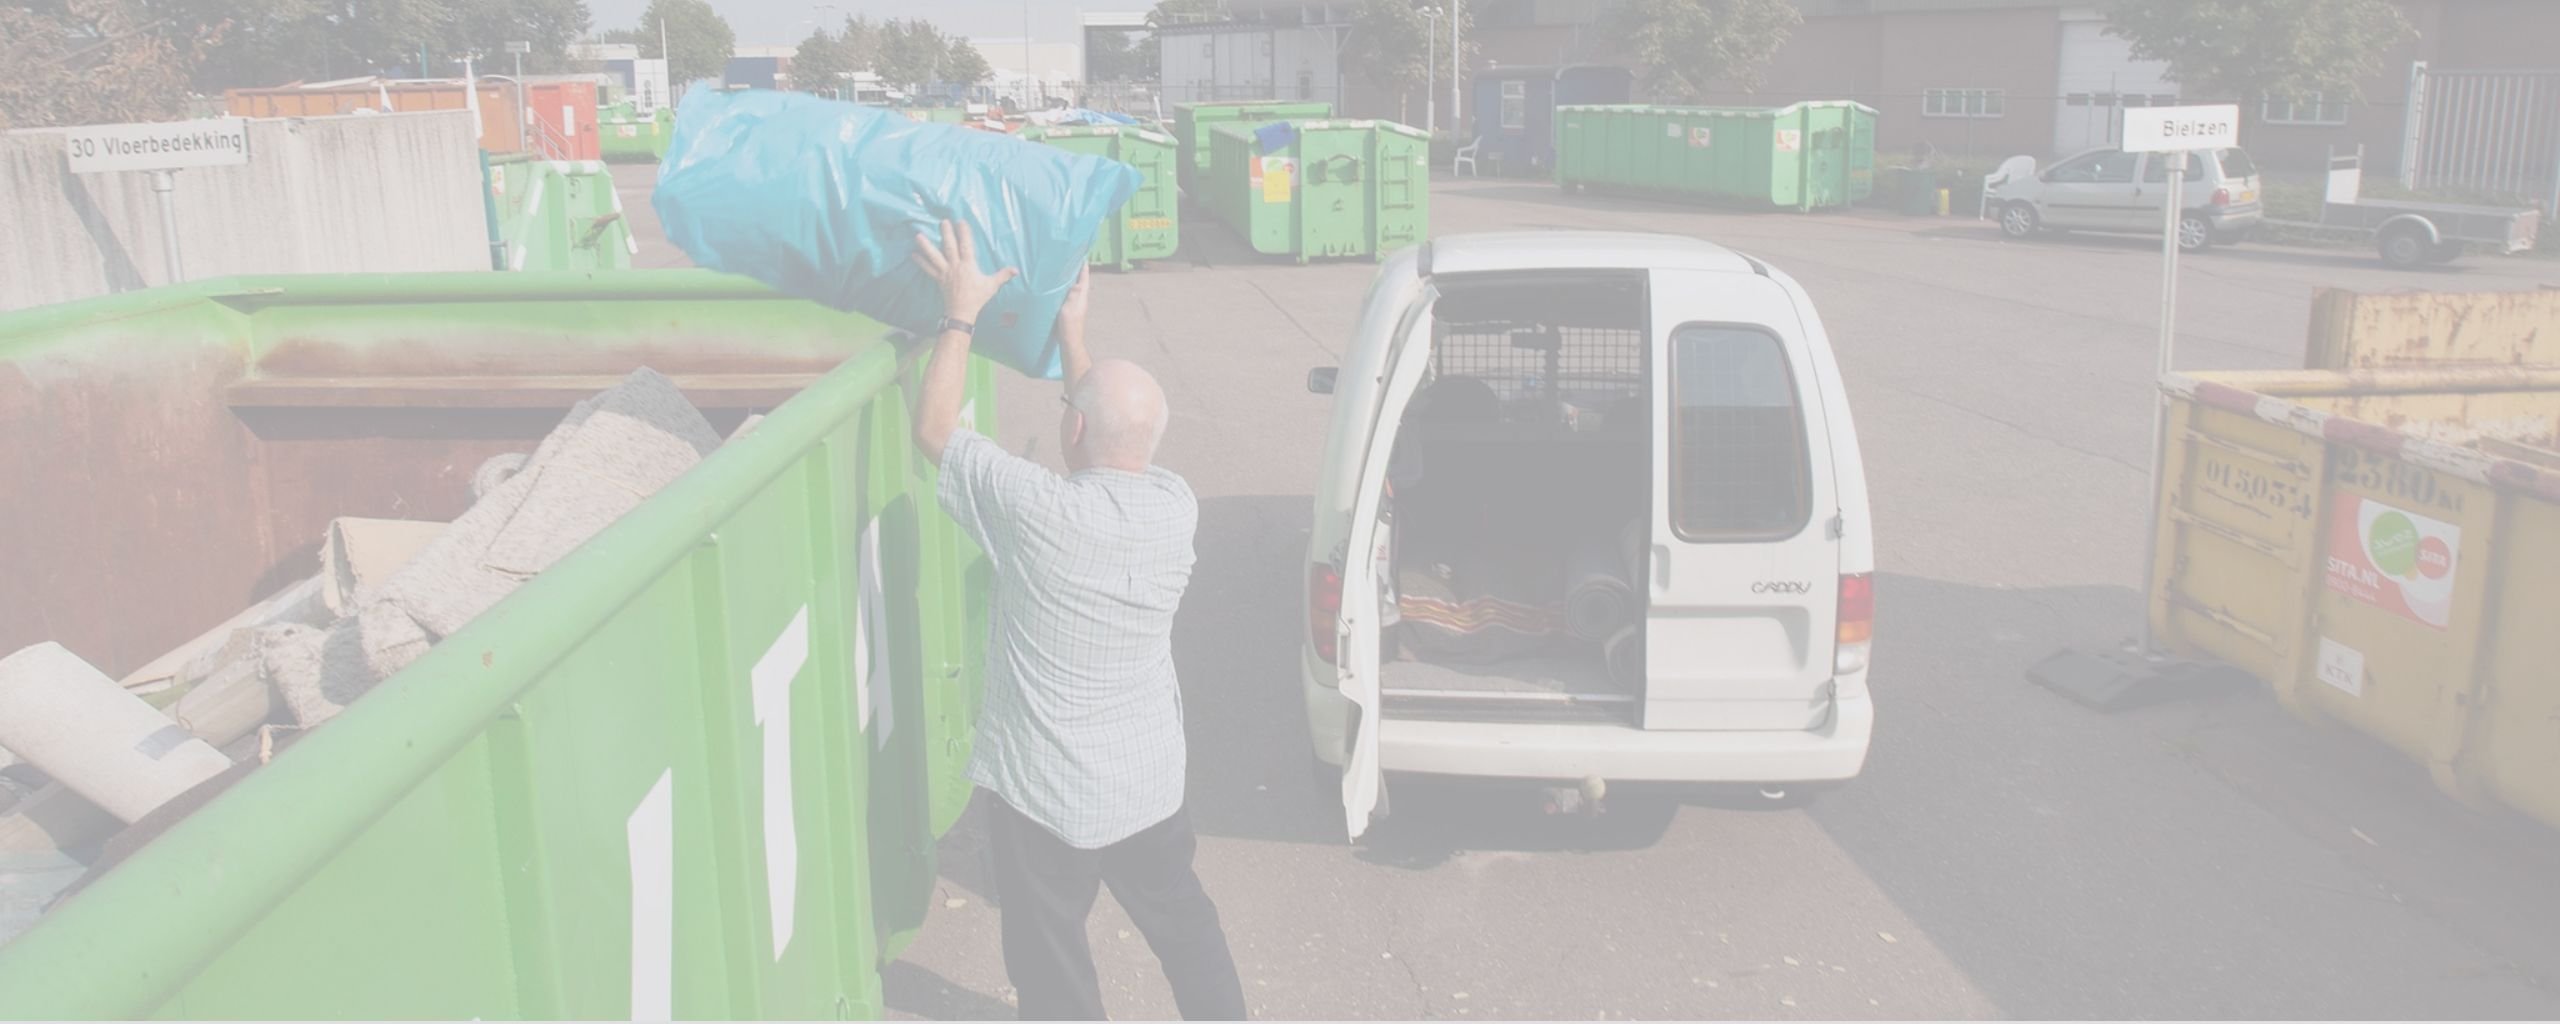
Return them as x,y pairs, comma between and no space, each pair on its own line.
2221,198
1857,623
1324,610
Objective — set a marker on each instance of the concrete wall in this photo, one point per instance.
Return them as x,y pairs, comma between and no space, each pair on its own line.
360,194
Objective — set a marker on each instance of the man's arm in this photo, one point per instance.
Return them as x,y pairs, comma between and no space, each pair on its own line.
966,290
1073,359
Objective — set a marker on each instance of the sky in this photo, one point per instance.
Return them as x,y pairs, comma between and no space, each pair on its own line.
784,22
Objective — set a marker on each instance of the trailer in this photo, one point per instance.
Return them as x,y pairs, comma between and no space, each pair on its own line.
2408,233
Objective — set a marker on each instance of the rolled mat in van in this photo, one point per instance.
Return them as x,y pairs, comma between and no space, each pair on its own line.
1600,594
1625,651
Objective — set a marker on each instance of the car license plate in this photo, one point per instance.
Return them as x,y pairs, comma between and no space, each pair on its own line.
2250,196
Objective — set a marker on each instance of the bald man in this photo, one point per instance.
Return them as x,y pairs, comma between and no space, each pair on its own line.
1080,741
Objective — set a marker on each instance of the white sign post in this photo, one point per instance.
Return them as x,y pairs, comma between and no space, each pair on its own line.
2177,131
161,149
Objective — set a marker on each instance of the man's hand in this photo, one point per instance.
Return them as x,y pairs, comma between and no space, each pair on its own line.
966,290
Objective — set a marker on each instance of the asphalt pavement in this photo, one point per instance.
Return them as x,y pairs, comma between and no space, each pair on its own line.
2007,854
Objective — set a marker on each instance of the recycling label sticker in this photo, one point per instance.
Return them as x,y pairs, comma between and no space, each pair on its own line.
2393,559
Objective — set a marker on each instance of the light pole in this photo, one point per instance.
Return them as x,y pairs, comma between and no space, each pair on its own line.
1431,73
1457,67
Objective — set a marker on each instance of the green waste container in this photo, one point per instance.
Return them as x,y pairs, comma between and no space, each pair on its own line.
1147,227
559,215
1192,123
695,769
1806,156
1331,189
623,136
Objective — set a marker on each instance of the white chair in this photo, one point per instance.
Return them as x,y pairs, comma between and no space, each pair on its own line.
1465,162
2012,169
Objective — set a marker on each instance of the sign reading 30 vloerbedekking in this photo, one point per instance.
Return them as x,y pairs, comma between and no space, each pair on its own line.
214,142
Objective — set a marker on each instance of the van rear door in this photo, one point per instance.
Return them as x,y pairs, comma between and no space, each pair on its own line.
1363,593
1745,551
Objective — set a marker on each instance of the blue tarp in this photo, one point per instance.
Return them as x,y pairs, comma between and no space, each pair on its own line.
823,199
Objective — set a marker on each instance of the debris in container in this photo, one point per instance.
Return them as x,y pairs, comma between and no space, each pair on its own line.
607,456
497,470
54,818
357,553
29,880
297,603
68,718
124,843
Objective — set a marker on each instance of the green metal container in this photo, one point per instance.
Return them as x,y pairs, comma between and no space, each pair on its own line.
1805,156
1148,226
625,137
1192,123
696,769
1334,188
559,215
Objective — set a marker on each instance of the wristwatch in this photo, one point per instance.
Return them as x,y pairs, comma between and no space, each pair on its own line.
955,324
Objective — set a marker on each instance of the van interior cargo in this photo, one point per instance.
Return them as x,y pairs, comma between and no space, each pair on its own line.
1518,495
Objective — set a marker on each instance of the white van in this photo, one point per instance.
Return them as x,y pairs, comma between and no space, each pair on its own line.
1610,518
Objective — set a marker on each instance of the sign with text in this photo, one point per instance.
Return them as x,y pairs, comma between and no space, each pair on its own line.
215,142
2169,129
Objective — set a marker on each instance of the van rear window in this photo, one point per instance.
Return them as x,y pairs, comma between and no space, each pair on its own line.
1739,469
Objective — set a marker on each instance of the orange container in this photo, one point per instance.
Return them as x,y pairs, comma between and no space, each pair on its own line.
562,123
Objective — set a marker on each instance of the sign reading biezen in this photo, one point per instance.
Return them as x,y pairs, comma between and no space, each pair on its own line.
2168,129
215,142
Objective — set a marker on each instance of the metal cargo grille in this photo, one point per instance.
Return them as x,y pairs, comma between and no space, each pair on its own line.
1546,372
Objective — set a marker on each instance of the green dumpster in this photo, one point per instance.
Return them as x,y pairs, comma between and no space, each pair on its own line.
623,136
1331,189
1192,123
1806,156
559,215
694,769
1147,227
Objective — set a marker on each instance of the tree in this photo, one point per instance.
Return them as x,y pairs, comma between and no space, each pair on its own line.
819,65
860,44
699,38
270,42
2247,49
1682,50
962,64
1392,44
89,62
911,53
1180,12
1114,56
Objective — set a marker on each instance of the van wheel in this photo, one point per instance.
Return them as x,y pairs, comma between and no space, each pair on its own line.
2019,220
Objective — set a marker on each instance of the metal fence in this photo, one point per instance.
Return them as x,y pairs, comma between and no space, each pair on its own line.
2494,132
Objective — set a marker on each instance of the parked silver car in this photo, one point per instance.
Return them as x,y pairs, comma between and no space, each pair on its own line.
2112,190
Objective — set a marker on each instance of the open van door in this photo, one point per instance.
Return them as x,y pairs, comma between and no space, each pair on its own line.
1363,589
1744,562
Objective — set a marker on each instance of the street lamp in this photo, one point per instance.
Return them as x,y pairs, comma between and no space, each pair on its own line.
1431,73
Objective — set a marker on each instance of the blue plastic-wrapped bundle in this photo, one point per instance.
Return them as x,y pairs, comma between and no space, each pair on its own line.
823,200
